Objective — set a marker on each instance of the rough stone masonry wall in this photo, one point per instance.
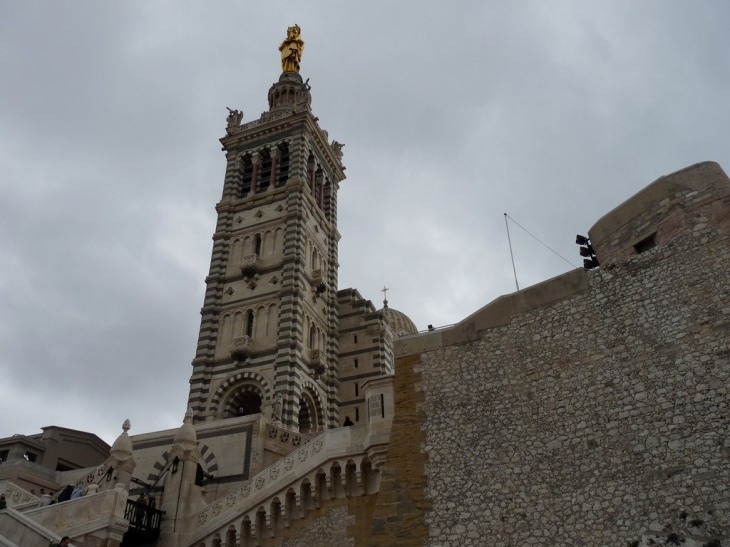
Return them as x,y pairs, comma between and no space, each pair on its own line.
597,421
328,529
666,208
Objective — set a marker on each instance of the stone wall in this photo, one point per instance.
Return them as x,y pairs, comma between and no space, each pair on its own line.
327,529
600,419
673,204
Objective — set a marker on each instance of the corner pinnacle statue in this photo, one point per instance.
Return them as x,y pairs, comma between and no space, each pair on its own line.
291,50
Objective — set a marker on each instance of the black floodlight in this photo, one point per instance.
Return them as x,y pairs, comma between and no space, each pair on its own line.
586,250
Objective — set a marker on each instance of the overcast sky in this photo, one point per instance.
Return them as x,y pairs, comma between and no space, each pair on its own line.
453,113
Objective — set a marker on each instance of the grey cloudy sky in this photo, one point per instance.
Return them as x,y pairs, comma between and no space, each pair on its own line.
453,113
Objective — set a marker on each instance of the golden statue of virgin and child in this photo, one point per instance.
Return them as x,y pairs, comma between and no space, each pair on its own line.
291,50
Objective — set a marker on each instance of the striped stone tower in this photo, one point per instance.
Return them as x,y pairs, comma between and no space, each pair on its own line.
269,330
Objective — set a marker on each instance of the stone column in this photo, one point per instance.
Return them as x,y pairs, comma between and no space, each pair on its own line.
312,178
181,497
256,160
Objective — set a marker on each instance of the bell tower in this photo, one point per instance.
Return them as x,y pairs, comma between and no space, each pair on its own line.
268,337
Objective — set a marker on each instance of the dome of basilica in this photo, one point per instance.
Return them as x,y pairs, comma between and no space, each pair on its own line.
399,322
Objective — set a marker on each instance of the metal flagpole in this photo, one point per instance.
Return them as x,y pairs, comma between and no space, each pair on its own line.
510,252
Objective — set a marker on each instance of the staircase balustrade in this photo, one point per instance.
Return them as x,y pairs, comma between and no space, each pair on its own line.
332,465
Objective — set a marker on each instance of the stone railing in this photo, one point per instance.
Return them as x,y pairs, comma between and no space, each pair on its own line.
265,117
100,515
332,444
17,497
17,529
286,439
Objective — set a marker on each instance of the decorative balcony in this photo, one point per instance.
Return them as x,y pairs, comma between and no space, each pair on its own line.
241,347
316,361
250,265
318,281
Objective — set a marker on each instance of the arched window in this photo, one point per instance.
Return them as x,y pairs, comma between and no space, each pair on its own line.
305,418
257,245
244,402
311,171
312,337
249,323
326,199
246,176
318,186
283,166
264,177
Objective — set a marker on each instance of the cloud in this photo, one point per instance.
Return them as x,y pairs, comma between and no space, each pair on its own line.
453,114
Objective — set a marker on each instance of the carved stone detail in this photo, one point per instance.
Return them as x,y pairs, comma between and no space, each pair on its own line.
318,281
250,265
316,358
241,347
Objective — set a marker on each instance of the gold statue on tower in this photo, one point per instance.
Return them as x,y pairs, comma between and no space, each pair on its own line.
291,50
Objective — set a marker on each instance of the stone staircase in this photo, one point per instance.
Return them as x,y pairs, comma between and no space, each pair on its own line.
334,464
27,523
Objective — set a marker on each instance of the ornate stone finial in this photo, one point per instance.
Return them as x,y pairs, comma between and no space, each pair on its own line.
385,290
122,447
186,436
233,121
337,149
291,50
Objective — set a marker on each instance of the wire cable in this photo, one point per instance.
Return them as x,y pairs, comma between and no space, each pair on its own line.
509,240
506,216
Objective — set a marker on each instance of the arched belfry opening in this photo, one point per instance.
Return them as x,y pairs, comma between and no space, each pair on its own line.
305,416
283,166
262,184
246,175
310,413
243,401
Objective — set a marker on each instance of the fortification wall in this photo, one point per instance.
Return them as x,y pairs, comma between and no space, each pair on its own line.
598,419
671,205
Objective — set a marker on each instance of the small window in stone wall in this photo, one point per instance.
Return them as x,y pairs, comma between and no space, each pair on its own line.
357,414
645,244
355,362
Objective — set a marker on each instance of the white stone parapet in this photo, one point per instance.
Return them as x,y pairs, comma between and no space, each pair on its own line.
100,515
17,497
